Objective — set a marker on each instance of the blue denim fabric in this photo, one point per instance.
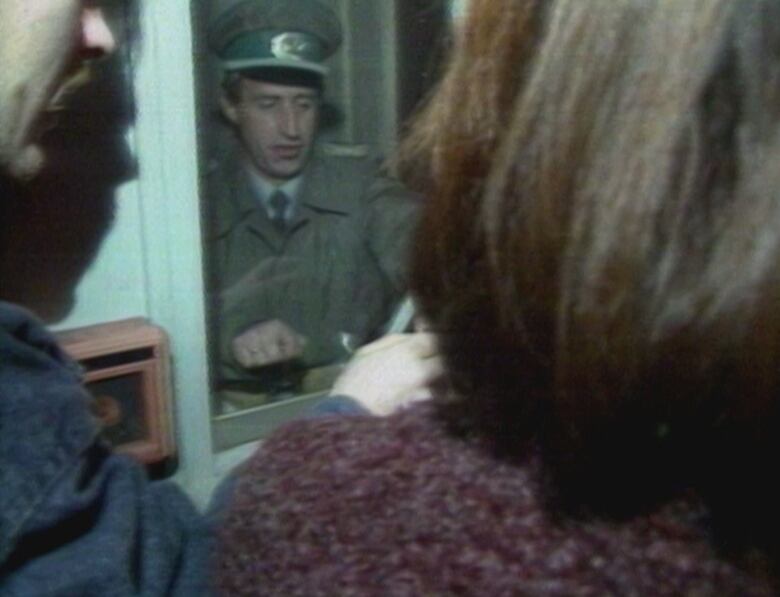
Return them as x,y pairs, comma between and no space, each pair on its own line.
76,519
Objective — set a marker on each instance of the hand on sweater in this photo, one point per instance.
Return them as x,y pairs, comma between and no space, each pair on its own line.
391,372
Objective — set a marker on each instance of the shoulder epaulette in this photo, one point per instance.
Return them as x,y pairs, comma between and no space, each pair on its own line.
346,150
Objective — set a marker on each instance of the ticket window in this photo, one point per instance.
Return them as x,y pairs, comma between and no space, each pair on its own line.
387,63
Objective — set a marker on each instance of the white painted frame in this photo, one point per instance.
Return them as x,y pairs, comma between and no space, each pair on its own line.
166,143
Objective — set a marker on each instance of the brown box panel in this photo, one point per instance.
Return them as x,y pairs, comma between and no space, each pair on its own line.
126,370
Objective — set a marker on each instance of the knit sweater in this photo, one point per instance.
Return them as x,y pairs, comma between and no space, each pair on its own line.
357,505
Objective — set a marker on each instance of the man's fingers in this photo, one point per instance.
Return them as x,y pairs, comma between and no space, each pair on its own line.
288,344
245,356
425,345
434,368
267,344
421,344
251,357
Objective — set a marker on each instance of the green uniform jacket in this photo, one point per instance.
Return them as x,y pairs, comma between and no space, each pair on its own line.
335,276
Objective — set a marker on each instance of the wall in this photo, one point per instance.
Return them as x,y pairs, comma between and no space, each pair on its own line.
150,262
365,77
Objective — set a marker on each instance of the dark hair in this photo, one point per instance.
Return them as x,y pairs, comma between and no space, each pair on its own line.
601,249
231,82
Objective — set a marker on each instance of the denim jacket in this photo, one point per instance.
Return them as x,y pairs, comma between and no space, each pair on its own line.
75,518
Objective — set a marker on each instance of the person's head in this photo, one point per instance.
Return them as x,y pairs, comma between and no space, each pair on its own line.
601,248
43,46
275,122
63,145
272,54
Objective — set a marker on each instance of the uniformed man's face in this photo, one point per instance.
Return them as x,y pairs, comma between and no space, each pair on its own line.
42,44
276,124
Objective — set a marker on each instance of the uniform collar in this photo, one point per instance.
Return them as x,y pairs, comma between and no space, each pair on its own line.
263,189
319,174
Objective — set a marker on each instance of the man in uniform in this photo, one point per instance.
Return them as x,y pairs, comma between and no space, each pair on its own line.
308,244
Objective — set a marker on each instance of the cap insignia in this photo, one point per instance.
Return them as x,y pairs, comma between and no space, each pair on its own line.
293,46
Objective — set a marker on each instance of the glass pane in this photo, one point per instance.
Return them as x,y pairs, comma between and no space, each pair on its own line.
306,231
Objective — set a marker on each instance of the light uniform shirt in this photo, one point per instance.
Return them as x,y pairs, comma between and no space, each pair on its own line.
264,189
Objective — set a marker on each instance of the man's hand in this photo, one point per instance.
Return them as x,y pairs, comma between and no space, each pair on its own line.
392,372
267,343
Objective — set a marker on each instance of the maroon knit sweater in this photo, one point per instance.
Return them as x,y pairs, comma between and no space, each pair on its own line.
395,506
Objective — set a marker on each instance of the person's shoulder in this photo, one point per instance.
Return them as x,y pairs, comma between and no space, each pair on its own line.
354,487
353,151
326,427
26,339
349,450
315,445
359,173
354,159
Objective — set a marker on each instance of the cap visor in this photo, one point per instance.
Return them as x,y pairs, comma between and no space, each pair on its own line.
252,63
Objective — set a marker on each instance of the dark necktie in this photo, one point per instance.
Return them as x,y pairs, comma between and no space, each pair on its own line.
278,202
